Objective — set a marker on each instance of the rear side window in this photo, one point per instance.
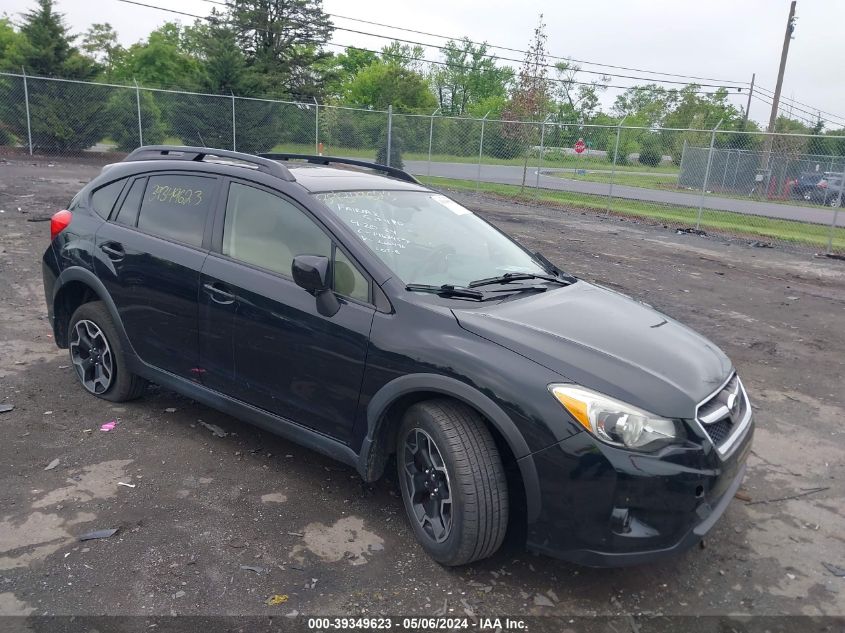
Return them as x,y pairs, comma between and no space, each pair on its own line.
128,214
103,199
175,207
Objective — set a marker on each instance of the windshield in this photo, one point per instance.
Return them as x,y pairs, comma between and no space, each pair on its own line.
427,238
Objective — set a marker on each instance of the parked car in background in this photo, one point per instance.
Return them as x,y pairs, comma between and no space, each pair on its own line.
347,307
806,183
819,188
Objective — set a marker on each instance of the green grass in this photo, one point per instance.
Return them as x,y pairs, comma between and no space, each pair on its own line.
308,148
649,181
670,181
550,161
724,221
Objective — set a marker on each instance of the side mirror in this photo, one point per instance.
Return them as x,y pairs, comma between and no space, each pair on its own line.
313,274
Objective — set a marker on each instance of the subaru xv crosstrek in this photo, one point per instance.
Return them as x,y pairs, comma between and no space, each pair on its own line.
343,305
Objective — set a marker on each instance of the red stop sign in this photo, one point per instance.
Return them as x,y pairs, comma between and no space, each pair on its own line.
580,146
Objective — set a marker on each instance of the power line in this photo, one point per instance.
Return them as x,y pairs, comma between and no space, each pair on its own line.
519,50
516,50
769,102
815,109
406,57
507,59
781,110
814,115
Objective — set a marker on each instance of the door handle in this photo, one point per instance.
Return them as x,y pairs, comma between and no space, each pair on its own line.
113,250
219,295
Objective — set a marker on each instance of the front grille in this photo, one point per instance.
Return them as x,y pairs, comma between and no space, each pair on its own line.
719,431
722,412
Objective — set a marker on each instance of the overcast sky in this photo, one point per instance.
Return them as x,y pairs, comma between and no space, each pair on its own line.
724,39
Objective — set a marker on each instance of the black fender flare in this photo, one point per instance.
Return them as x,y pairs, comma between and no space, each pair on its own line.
78,273
437,383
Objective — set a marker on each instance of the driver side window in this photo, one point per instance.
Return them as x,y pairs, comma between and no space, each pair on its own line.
265,230
268,231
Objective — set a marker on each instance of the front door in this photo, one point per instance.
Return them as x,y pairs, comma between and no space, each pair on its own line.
262,339
149,257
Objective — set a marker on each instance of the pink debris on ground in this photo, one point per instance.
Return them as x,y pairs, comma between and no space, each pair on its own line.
108,426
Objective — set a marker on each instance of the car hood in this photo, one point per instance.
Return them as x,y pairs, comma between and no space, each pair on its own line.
608,342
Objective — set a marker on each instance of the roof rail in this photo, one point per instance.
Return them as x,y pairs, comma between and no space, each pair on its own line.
199,154
328,160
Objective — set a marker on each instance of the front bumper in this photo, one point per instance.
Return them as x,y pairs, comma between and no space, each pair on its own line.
606,507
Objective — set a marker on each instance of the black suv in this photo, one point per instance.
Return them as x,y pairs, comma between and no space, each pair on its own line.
819,188
345,306
806,184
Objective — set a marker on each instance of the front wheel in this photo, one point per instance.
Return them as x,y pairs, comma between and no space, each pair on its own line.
453,482
97,356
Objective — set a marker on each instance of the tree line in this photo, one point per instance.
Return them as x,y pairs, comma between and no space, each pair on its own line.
278,49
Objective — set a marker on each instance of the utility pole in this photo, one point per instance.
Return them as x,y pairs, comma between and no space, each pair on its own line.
790,27
787,36
748,105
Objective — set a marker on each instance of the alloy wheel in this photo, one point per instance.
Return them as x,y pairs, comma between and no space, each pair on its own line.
91,356
428,485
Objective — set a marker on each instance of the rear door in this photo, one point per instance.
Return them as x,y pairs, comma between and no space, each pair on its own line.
149,255
262,339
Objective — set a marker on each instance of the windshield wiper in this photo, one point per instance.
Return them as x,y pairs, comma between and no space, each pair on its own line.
508,277
447,290
549,266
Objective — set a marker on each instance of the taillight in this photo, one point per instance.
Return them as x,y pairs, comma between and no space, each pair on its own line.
59,222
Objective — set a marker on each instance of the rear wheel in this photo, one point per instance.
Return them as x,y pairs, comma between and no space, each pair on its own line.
453,482
97,355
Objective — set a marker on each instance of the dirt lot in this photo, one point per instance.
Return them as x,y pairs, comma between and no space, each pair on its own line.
218,525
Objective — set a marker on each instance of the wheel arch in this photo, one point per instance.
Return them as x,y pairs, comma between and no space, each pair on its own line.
75,286
386,408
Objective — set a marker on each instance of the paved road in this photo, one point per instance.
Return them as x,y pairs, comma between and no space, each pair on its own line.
512,175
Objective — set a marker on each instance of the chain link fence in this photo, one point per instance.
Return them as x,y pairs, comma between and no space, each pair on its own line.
766,188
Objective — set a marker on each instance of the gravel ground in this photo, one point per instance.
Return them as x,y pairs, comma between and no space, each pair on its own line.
218,525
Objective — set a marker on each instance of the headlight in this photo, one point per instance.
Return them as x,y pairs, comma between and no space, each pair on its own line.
614,421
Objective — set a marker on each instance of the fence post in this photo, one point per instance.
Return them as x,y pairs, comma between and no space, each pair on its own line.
316,126
542,150
613,169
835,215
234,135
824,201
480,149
138,108
431,137
26,102
707,173
736,170
389,132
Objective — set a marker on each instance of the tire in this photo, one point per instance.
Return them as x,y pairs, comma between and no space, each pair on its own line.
94,321
475,480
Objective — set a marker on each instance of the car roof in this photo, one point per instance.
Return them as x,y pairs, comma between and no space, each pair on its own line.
320,178
313,173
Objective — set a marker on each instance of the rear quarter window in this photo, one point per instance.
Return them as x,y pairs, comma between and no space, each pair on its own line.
103,198
175,207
